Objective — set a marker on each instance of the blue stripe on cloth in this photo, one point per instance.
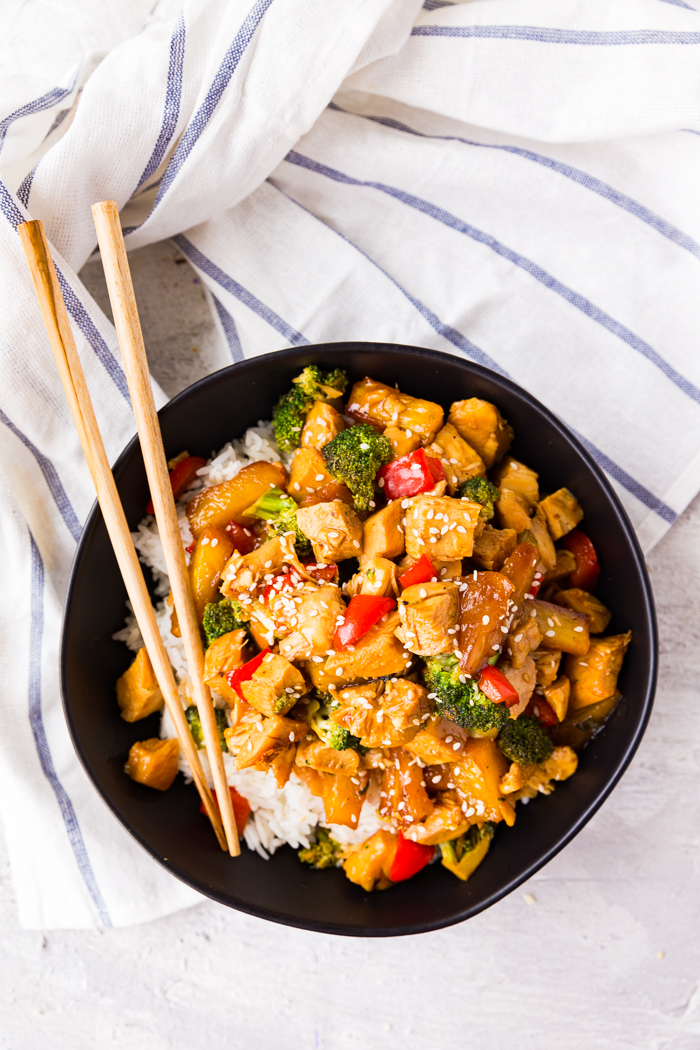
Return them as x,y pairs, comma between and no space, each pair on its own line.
51,98
173,95
234,288
25,187
53,482
70,820
554,35
213,97
589,182
9,208
679,3
433,5
573,298
229,326
452,334
627,481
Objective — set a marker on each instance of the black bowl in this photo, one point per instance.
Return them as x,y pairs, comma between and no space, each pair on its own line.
169,824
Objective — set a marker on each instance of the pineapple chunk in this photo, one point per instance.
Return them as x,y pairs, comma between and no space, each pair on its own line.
138,694
153,762
459,460
563,512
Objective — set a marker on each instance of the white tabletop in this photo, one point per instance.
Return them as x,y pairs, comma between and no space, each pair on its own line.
599,950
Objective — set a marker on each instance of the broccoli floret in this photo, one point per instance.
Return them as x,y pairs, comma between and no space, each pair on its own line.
480,490
523,740
335,736
195,724
354,457
280,512
459,698
325,853
290,412
222,617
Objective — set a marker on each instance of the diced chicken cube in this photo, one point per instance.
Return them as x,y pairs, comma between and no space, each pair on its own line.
323,423
377,577
441,527
368,864
547,663
557,696
512,511
560,765
523,679
439,741
563,512
405,704
255,738
222,656
243,573
153,762
514,475
516,778
446,822
428,612
383,535
138,694
314,753
361,711
275,687
539,534
459,460
521,641
334,529
493,546
402,441
311,617
376,654
374,402
483,427
563,567
593,675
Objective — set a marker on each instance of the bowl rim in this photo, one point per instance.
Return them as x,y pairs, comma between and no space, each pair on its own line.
622,762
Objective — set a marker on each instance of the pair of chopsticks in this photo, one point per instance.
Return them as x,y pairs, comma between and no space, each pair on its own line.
121,294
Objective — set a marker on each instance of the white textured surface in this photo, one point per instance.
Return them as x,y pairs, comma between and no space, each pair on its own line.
580,968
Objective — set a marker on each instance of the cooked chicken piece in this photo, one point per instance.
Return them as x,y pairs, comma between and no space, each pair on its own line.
516,778
311,615
405,704
376,654
280,764
361,712
404,800
440,741
493,546
561,628
334,529
402,441
476,774
374,402
221,657
138,694
523,679
368,863
560,765
539,533
255,737
459,460
275,687
441,527
484,609
547,663
428,614
514,475
563,512
512,511
243,573
521,641
323,423
310,482
564,566
383,535
313,752
557,696
483,427
593,675
446,822
580,601
153,762
377,577
447,570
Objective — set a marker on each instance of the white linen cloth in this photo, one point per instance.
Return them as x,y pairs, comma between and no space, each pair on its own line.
514,181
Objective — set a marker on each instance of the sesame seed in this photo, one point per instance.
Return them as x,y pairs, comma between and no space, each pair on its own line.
495,647
485,619
423,592
456,747
518,638
364,446
205,540
578,629
214,542
320,477
549,634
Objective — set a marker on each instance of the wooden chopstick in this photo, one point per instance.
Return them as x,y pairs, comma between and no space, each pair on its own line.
126,321
55,317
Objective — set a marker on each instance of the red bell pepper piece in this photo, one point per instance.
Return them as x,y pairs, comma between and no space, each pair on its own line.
241,808
542,710
243,674
410,858
420,572
587,568
494,684
408,475
182,476
321,572
363,612
242,538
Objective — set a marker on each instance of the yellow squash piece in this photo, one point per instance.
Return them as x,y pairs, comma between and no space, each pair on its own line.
138,694
153,762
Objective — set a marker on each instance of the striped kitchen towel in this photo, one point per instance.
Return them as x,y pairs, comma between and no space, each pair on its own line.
513,181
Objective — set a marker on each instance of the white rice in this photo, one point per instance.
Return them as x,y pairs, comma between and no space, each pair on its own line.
279,815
